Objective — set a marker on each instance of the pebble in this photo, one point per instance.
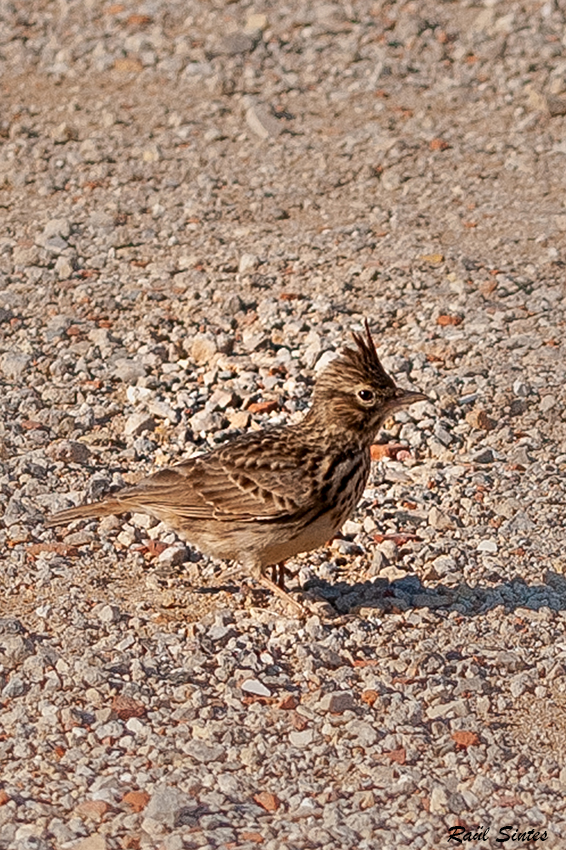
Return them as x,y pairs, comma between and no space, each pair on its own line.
165,804
301,739
487,546
247,263
262,122
337,702
252,686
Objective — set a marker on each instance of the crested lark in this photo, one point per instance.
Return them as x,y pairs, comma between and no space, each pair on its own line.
269,495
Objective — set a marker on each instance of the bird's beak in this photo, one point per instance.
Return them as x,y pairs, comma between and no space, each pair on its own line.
411,396
404,398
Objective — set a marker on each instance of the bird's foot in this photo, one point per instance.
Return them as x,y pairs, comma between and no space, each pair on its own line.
282,593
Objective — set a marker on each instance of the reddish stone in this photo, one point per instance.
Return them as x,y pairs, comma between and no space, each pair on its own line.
93,809
288,703
136,800
126,707
267,801
465,739
369,697
263,406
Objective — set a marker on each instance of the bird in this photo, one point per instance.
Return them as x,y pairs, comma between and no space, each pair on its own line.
266,496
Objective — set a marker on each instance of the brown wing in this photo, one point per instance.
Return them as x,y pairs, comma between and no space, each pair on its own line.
254,477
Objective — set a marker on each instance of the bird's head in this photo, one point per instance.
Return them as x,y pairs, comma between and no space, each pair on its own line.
355,393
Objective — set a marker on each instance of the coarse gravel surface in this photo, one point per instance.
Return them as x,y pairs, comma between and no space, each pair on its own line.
198,201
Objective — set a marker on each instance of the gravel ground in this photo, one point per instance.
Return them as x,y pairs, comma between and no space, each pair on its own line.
199,201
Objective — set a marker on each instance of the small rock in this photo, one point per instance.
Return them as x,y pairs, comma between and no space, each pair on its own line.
237,43
438,800
166,803
363,732
480,420
93,842
109,614
252,686
262,122
248,262
556,105
15,688
240,419
267,801
487,546
113,730
204,753
63,133
64,268
482,455
301,739
255,22
547,403
442,434
137,423
173,555
136,726
444,565
337,702
136,800
92,809
220,400
203,349
13,364
68,451
439,520
205,421
57,227
129,370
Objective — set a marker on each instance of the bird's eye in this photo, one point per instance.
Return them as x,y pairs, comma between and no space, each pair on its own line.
366,396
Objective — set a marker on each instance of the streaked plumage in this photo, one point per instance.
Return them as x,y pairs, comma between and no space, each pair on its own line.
269,495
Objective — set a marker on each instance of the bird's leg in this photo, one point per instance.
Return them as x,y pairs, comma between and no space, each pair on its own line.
279,572
258,572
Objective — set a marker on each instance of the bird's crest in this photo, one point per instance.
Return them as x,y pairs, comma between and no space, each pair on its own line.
356,366
365,359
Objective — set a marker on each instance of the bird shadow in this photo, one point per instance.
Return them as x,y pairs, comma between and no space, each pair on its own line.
409,593
406,594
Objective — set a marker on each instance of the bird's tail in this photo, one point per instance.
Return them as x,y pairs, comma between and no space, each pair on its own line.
96,509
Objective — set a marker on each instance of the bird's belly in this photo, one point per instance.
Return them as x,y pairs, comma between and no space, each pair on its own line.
262,542
313,536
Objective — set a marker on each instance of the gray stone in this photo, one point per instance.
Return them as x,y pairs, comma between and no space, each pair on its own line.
301,739
364,733
137,423
248,262
114,729
489,546
337,702
173,556
14,688
166,803
109,614
128,370
262,122
444,565
13,364
204,753
482,455
252,686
